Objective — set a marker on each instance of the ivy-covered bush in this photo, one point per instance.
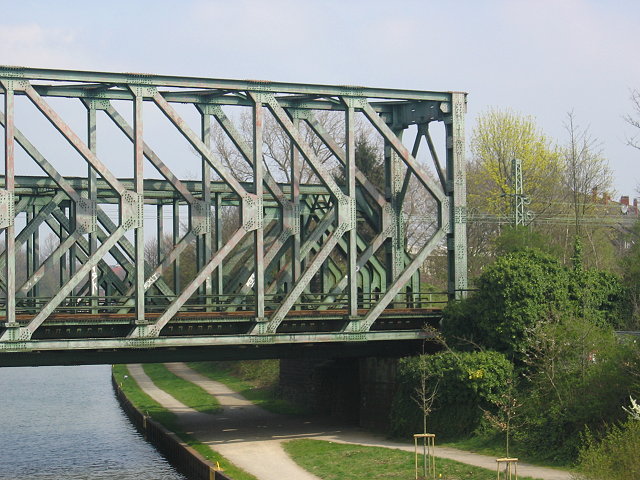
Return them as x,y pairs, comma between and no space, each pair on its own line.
521,290
600,297
465,383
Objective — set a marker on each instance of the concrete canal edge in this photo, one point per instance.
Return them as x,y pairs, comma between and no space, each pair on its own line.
184,458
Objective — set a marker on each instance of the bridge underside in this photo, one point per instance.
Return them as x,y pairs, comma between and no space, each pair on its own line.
289,240
188,353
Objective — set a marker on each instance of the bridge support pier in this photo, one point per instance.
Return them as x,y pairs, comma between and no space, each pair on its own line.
354,390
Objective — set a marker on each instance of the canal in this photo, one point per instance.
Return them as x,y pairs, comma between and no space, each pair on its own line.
65,423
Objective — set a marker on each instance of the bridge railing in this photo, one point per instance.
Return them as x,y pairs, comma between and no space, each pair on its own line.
114,304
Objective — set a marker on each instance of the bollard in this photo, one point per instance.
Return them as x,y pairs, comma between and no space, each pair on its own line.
213,470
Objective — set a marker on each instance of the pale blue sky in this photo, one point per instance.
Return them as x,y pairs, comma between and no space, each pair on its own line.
541,58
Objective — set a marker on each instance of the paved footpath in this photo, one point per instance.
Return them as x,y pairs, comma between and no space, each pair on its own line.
251,437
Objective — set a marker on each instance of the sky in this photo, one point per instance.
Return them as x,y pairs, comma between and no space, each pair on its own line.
542,58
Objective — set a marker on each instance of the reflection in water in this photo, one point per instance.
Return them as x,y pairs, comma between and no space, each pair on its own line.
65,423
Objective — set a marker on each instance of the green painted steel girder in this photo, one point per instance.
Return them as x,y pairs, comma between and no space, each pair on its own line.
261,259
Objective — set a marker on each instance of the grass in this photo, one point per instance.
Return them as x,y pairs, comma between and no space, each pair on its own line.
494,445
254,380
336,461
186,392
145,403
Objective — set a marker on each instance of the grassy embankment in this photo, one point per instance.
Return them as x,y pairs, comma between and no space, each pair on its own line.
336,461
185,392
255,380
494,445
145,403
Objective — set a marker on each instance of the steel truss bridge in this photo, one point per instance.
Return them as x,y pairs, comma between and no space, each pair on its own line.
321,263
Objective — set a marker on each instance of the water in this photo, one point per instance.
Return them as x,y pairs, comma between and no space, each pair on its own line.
65,423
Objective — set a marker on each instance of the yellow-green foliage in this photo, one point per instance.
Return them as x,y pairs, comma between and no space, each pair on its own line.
498,138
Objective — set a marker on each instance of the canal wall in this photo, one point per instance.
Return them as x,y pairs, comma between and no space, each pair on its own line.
184,458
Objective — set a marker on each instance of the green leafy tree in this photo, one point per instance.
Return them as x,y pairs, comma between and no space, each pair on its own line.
369,161
514,239
499,137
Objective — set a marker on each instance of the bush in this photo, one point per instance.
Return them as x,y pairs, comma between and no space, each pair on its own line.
579,378
523,289
514,294
600,296
615,457
465,383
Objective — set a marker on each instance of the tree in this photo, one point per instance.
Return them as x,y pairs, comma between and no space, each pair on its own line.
631,276
369,160
500,137
586,171
514,239
634,119
578,377
507,411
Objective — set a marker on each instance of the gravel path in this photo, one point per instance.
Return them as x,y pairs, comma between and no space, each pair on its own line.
250,436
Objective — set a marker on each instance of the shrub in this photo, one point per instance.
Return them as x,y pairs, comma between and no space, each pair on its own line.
465,383
579,378
615,457
523,289
516,292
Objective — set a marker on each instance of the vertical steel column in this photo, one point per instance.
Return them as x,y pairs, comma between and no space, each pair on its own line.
398,203
92,136
138,177
35,253
258,179
30,256
73,220
219,271
394,180
296,238
62,233
159,232
457,196
205,251
352,250
10,231
176,239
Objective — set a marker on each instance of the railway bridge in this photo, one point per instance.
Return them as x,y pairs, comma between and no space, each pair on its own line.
285,241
